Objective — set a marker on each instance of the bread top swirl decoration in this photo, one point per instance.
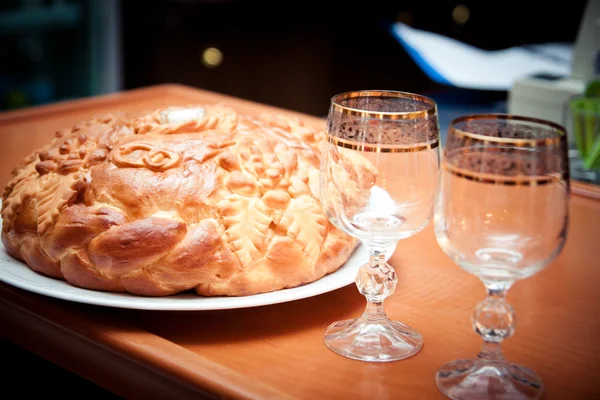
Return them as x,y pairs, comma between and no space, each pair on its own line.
212,201
140,155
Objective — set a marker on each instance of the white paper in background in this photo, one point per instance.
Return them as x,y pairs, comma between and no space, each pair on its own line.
448,61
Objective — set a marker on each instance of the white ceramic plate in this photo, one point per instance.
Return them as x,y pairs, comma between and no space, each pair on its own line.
18,274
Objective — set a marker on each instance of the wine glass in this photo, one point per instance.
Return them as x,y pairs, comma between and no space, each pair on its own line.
379,171
501,214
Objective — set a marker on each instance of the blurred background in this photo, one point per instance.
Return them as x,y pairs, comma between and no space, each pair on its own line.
290,54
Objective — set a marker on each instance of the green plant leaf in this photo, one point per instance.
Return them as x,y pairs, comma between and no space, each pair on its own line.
592,160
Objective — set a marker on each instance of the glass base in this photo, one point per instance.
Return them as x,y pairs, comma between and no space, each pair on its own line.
478,379
381,340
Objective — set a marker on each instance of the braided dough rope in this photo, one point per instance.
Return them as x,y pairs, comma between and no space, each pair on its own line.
223,204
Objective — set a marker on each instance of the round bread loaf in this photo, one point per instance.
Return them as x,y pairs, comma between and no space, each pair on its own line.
184,198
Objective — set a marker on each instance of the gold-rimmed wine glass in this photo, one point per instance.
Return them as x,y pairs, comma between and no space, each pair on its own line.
501,214
379,168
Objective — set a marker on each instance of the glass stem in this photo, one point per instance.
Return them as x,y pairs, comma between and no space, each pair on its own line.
374,311
494,321
377,280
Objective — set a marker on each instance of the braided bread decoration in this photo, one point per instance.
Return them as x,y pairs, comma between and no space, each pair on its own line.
221,203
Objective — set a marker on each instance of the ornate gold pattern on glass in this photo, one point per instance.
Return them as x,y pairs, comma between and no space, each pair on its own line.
506,149
357,104
383,119
468,126
494,180
347,144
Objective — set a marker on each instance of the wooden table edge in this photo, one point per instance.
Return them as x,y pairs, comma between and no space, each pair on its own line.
101,335
584,189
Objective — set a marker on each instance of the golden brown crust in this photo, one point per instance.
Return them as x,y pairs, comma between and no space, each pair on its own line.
159,203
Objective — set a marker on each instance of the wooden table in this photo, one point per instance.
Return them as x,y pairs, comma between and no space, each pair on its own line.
277,351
